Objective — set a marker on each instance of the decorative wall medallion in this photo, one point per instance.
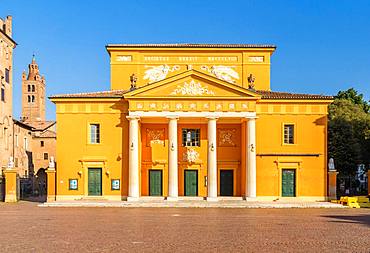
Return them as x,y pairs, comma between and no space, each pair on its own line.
178,106
206,106
191,155
152,105
193,106
139,106
154,136
124,58
226,73
232,106
192,89
255,58
166,106
158,73
226,137
244,106
218,106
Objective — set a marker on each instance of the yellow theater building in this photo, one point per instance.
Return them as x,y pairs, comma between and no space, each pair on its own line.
191,121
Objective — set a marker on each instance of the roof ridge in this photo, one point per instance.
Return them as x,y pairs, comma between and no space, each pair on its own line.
208,45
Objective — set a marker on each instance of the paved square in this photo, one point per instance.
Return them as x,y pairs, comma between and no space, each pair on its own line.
28,228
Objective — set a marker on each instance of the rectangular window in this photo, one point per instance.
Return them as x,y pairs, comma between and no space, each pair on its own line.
6,138
3,94
25,144
16,140
16,162
42,143
94,133
46,156
288,134
190,137
7,75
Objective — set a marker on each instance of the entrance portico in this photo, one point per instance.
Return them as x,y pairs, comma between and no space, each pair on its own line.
173,119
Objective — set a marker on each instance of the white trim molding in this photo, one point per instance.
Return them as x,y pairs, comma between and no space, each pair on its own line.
164,114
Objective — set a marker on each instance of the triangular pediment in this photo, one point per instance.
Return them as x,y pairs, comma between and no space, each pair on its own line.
191,84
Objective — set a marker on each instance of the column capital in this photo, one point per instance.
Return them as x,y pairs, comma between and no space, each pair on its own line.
172,117
251,118
212,117
131,117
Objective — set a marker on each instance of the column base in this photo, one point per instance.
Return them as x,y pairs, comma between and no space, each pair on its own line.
250,198
10,198
212,199
133,199
172,199
50,198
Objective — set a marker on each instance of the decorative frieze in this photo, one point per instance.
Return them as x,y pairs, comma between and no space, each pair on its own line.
192,105
226,73
158,73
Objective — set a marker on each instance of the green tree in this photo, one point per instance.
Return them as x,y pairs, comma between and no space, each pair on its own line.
349,131
352,95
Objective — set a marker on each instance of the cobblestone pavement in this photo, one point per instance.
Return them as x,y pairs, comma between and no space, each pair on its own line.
28,228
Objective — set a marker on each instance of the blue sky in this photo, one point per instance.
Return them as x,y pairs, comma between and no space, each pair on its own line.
322,46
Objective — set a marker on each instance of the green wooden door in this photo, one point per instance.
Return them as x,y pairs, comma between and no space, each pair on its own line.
226,183
94,179
288,183
155,182
191,183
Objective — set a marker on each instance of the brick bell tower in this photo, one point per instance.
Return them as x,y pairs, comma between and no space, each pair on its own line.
33,94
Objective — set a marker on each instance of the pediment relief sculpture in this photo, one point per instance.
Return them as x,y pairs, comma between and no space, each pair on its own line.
192,89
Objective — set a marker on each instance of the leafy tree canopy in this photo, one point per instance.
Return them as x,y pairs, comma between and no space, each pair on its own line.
349,131
352,95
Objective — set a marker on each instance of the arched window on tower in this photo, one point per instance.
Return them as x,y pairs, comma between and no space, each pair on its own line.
33,88
29,88
29,99
33,98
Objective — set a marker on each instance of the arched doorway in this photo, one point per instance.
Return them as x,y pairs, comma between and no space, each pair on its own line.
40,184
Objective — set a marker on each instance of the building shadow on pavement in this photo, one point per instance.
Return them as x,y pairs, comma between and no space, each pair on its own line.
354,219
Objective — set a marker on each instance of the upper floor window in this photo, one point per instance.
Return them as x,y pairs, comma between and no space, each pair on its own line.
3,93
7,75
33,88
94,133
16,140
42,143
29,88
288,134
46,156
25,143
190,137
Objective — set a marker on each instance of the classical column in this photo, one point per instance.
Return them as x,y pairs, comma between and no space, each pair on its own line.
212,159
133,190
251,159
173,186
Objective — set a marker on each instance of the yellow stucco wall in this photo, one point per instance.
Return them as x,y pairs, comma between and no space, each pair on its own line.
140,61
77,154
307,155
